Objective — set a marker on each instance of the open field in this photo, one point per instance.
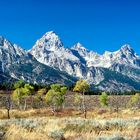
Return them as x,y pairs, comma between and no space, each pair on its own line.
40,124
117,121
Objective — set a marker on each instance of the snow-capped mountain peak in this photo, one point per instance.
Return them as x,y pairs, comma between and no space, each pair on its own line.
13,49
5,43
125,55
79,47
9,53
50,51
49,41
51,35
126,47
126,52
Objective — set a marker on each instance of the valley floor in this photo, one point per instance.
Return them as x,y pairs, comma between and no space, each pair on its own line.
40,124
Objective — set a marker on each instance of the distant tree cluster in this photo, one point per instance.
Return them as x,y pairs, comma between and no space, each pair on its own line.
21,92
54,96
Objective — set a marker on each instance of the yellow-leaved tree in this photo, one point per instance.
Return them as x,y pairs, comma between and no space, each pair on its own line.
134,99
82,86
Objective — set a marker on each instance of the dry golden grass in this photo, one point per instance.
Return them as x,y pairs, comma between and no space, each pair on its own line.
95,113
18,133
70,125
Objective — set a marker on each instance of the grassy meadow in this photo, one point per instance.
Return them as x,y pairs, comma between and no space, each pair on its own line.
41,124
65,115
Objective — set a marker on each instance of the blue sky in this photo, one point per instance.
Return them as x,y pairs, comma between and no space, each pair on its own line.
98,24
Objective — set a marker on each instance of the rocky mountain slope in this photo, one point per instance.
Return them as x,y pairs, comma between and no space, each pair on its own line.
119,70
16,63
49,61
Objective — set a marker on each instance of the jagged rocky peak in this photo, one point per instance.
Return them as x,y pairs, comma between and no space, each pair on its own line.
49,41
126,47
127,52
51,36
4,42
10,47
1,40
79,47
9,52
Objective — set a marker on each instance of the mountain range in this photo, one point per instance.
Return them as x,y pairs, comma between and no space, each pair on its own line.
48,61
